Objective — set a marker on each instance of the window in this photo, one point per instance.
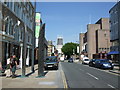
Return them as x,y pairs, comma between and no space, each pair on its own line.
21,35
11,27
105,35
6,27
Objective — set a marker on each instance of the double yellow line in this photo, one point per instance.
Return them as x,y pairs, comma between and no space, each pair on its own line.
64,79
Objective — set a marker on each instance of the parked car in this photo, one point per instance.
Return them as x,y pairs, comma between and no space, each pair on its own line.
104,64
70,60
85,60
51,62
92,62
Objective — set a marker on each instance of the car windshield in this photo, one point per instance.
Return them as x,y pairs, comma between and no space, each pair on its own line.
51,59
86,59
104,60
93,60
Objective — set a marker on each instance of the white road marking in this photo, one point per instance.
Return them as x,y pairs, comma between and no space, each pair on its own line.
107,71
110,86
46,83
93,76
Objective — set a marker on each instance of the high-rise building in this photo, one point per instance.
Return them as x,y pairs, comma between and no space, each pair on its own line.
59,44
115,31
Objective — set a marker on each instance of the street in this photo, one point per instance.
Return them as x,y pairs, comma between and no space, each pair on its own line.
83,76
46,45
69,75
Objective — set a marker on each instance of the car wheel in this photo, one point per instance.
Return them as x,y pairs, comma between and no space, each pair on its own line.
112,68
45,68
95,66
56,68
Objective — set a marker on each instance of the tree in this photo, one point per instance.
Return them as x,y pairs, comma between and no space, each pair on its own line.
70,49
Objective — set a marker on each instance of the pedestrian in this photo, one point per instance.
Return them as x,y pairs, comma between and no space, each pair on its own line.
8,71
13,65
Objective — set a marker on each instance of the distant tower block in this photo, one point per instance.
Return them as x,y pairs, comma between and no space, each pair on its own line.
59,41
59,44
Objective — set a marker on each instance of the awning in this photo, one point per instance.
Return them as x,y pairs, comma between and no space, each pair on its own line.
113,52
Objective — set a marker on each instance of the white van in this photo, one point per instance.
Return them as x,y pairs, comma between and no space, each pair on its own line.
85,60
62,59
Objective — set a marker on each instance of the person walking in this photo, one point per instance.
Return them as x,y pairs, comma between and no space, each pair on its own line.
13,65
8,71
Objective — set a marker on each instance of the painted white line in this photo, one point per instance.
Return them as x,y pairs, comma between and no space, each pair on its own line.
93,76
110,86
102,70
46,83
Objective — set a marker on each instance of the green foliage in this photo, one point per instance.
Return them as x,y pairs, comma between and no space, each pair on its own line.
70,48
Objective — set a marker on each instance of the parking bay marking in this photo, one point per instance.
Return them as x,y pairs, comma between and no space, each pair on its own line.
92,76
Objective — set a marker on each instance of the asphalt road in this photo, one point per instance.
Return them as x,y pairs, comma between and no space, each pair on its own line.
83,76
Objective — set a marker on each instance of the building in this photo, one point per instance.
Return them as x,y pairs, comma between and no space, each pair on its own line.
59,44
83,42
17,18
51,48
115,31
95,43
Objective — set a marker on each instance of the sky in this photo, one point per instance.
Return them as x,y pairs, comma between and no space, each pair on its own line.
68,19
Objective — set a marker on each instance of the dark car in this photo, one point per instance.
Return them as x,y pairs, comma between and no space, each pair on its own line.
51,62
70,60
92,62
104,64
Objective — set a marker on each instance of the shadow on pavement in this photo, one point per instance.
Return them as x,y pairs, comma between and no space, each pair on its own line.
45,73
51,69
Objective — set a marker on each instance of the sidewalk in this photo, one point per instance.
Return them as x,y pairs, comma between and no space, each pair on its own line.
52,79
115,70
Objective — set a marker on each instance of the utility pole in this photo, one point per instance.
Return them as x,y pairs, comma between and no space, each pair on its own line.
41,51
